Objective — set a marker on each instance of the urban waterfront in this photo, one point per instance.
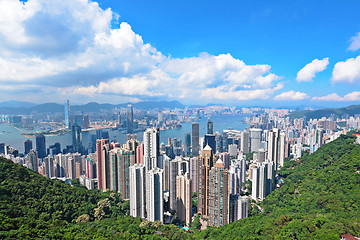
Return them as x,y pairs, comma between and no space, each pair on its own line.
13,137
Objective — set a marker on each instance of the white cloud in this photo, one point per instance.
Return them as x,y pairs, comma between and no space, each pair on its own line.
307,73
68,47
355,42
348,71
224,93
291,95
353,96
140,84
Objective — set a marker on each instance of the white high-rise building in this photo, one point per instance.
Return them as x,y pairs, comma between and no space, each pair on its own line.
243,208
239,208
282,149
235,177
166,175
262,180
151,148
255,139
137,190
232,149
255,182
184,198
154,195
276,147
176,167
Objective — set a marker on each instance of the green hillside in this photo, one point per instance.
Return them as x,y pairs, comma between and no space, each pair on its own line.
35,207
318,200
338,112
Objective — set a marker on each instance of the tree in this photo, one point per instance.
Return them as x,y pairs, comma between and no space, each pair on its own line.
196,224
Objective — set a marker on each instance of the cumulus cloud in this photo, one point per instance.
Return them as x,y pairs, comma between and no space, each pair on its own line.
307,73
348,71
291,95
355,42
353,96
68,47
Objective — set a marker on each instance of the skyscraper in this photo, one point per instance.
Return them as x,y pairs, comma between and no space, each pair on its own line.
129,119
276,147
106,167
282,145
67,113
194,173
195,139
125,159
187,143
2,148
239,208
49,167
255,182
262,180
154,195
76,138
137,190
40,146
210,140
166,167
71,167
176,167
218,201
140,153
28,146
184,198
86,121
210,127
244,146
89,168
206,160
319,136
99,162
255,138
114,174
31,160
151,148
235,178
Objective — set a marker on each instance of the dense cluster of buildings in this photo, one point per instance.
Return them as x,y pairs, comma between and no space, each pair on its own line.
163,181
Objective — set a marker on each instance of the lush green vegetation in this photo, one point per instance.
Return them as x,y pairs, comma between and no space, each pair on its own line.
34,207
319,199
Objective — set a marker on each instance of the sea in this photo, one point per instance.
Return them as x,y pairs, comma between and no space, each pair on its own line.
12,136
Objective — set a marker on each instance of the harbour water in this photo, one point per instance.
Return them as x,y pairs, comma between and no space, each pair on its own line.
12,136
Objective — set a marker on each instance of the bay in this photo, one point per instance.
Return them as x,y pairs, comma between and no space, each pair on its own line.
12,136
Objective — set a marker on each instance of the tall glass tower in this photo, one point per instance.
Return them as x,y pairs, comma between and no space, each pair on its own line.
129,119
210,127
76,136
67,113
195,139
41,146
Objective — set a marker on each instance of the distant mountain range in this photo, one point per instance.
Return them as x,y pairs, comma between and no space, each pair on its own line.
16,107
326,112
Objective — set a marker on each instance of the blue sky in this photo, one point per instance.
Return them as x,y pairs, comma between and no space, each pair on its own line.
233,52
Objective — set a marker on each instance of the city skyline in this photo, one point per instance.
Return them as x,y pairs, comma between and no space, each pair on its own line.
299,53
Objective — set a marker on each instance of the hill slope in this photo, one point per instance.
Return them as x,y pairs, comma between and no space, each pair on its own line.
319,199
326,112
35,207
